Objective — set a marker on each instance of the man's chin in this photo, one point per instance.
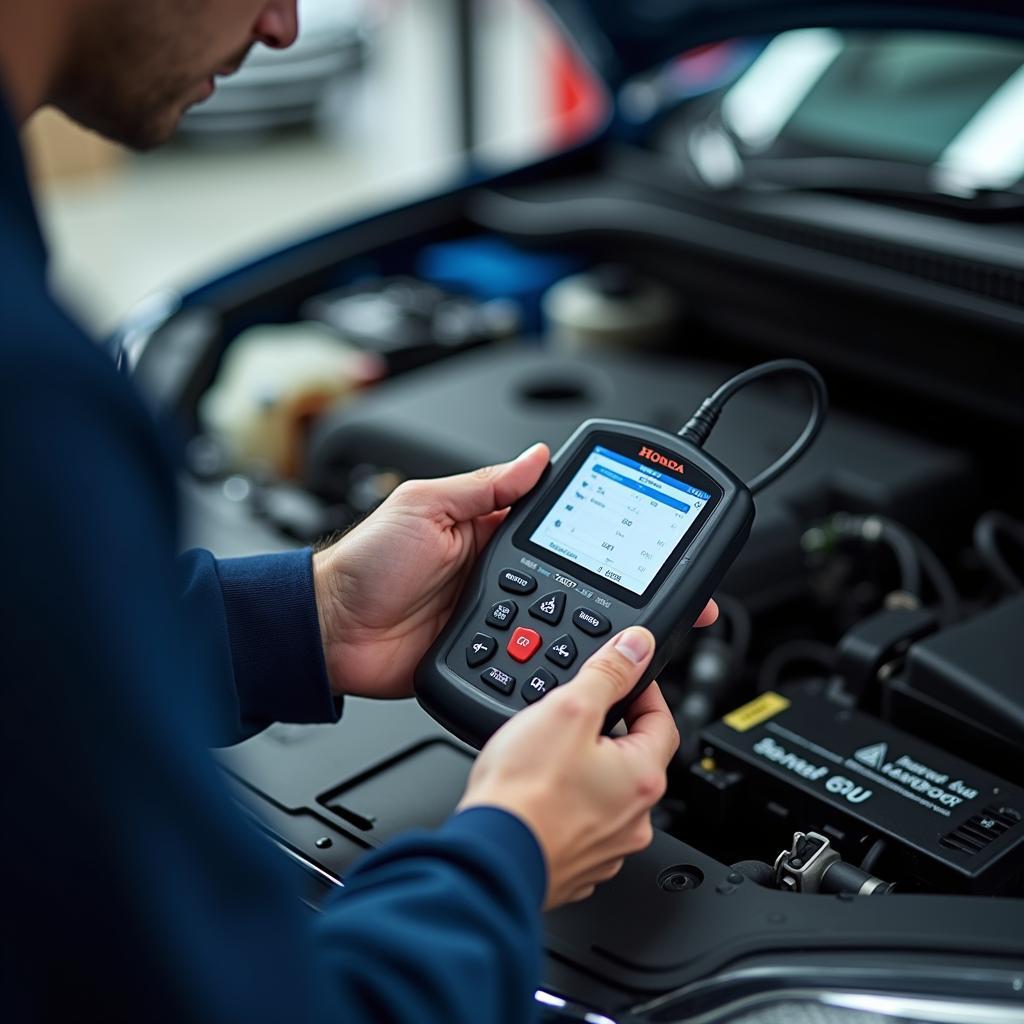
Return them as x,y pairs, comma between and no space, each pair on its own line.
136,132
153,132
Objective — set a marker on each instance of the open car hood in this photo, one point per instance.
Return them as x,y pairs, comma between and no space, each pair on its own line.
623,39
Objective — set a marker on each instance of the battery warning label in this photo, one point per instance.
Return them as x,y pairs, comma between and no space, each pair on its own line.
931,788
873,756
875,763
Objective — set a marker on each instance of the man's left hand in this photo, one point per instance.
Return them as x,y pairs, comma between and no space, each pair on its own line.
385,590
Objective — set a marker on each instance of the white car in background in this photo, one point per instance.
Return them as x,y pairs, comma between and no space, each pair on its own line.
285,88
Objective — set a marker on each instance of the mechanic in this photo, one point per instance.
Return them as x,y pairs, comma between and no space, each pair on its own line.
133,888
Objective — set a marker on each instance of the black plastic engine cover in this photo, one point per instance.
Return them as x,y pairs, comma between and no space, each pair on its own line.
487,406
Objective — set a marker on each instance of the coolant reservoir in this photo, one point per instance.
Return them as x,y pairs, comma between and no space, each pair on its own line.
276,380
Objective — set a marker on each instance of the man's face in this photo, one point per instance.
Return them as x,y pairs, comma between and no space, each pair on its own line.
136,66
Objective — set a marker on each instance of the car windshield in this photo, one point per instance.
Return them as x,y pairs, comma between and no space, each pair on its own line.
899,111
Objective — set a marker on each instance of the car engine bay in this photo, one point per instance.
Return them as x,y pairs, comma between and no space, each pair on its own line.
852,727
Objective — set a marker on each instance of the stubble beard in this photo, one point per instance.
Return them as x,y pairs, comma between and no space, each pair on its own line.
128,79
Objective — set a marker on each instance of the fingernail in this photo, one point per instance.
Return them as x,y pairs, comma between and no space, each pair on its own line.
526,451
635,644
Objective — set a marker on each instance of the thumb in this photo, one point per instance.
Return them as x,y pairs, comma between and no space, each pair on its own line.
470,495
609,675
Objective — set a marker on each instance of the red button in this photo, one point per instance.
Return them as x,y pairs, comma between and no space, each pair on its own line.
523,643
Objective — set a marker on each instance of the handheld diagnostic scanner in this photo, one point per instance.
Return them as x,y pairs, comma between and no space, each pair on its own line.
629,525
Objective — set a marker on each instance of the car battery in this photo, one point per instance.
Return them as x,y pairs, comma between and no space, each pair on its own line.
947,824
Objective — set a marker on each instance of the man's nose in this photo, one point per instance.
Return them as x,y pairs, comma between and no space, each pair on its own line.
278,24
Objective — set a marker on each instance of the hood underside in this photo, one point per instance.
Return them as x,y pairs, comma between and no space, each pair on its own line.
624,39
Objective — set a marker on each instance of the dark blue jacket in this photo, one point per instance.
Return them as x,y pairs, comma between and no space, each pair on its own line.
132,888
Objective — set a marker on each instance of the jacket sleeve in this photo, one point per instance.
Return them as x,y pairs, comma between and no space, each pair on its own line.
258,619
442,926
136,889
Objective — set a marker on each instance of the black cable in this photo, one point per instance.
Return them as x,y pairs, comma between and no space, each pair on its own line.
794,652
912,554
879,530
740,625
986,541
704,419
905,552
945,588
757,871
870,860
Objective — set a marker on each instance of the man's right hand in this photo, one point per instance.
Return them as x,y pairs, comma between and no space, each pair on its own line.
586,797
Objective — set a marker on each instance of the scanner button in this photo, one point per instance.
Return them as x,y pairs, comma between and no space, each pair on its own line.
523,643
516,582
538,685
562,652
480,648
499,680
549,608
502,614
590,622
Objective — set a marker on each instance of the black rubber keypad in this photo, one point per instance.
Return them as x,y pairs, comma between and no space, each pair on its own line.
540,684
562,652
549,608
502,614
590,622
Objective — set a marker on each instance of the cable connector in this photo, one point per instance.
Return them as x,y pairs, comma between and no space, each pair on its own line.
700,425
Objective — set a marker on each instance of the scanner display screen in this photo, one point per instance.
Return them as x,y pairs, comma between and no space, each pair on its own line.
620,519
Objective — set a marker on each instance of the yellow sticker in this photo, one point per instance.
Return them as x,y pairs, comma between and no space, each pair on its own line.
759,710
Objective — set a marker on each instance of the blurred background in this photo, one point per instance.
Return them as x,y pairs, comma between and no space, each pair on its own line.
308,388
384,100
378,101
